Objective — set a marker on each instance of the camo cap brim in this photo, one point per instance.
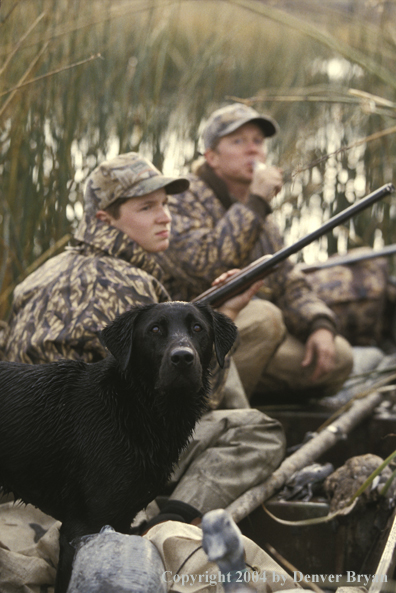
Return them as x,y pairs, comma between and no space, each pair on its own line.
227,119
128,175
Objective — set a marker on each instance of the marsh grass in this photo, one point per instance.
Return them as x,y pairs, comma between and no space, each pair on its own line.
164,66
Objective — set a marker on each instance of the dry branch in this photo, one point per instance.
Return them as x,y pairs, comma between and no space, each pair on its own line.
289,566
23,78
306,455
57,71
20,42
387,562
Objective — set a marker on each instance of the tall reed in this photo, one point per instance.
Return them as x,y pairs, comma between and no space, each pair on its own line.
164,66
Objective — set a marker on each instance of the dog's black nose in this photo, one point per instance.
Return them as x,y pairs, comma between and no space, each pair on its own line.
182,355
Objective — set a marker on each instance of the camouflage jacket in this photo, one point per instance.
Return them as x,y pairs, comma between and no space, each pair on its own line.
212,233
362,297
59,310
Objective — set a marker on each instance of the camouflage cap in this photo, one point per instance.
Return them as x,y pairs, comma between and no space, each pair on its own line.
127,175
227,119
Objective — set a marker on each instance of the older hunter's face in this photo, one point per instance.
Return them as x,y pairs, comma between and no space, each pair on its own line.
146,220
235,155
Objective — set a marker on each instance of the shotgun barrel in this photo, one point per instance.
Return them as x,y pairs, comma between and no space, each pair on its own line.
265,265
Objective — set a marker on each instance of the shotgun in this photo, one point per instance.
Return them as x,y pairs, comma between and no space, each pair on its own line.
267,264
349,258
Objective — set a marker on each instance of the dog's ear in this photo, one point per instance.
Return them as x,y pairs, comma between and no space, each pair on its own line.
118,336
224,330
225,334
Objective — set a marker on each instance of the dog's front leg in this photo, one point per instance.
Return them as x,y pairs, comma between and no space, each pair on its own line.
65,563
68,532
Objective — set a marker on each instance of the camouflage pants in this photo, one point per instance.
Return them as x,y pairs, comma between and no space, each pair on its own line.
230,451
269,359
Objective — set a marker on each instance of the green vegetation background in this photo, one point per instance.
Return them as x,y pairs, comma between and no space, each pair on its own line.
325,71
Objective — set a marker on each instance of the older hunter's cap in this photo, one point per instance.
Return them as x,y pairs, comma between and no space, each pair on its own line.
127,175
227,119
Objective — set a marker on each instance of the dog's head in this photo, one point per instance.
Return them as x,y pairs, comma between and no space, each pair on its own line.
170,342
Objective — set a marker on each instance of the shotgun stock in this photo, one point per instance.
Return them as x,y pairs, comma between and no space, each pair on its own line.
267,264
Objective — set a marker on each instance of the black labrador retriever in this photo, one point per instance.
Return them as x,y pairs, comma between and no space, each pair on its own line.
92,444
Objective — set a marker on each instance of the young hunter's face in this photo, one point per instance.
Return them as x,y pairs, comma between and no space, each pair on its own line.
146,220
234,157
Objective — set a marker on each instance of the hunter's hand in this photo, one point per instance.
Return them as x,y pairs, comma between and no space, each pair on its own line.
233,306
320,351
267,182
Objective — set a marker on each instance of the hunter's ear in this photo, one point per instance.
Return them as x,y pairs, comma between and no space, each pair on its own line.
118,336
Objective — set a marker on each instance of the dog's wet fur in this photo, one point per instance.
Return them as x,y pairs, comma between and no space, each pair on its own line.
93,444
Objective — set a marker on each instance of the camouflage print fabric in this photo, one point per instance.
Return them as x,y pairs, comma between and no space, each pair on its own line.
357,294
127,175
227,119
59,310
212,233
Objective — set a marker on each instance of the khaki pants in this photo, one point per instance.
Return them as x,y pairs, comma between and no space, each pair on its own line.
230,452
29,550
269,359
180,547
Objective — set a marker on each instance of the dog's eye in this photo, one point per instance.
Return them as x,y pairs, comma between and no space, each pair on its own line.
155,329
197,327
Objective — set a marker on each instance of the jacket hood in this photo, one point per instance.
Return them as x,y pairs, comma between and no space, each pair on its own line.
103,237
